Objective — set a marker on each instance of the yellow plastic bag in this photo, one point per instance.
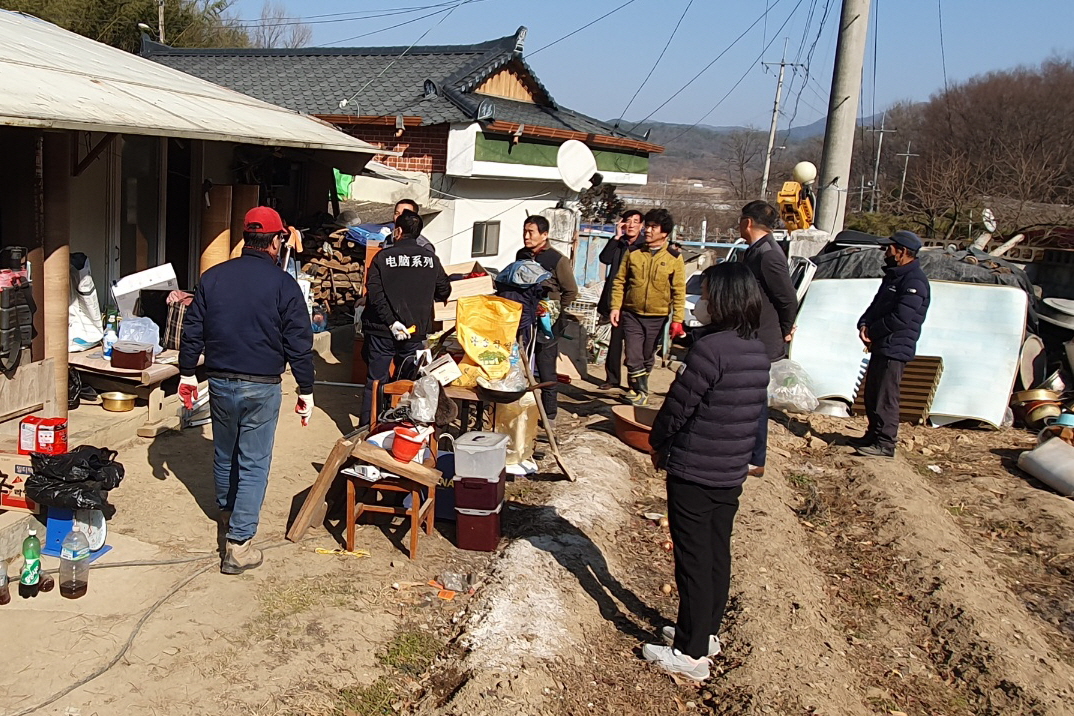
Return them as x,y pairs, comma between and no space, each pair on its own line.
486,326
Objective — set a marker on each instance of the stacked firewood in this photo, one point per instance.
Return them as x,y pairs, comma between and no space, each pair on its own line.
337,267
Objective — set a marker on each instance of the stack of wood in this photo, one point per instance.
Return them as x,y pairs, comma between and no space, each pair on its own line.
338,268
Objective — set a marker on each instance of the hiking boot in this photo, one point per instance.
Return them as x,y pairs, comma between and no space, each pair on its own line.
240,556
875,450
223,521
675,662
668,633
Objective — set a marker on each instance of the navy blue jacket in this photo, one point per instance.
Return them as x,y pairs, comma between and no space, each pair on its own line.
706,428
894,318
249,319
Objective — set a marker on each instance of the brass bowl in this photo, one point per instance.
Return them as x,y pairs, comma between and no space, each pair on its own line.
117,402
1027,396
1039,412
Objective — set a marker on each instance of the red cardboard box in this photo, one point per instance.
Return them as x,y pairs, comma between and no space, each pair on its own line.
44,435
14,471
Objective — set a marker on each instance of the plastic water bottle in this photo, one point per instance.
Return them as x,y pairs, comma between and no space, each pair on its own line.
109,340
30,583
74,564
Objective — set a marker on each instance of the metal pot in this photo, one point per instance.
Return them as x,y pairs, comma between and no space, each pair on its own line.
117,402
1028,396
1038,413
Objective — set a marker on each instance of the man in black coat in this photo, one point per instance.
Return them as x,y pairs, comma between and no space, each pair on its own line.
631,228
890,328
768,264
403,282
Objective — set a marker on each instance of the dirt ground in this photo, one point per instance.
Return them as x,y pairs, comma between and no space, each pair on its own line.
936,583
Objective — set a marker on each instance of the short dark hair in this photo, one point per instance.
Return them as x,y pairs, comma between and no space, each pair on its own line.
539,221
260,240
662,218
410,223
632,212
762,213
408,202
734,298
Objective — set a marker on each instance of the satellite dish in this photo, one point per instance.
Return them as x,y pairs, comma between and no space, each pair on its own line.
989,220
805,172
576,165
486,111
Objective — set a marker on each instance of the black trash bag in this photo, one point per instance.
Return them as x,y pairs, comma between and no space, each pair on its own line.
76,480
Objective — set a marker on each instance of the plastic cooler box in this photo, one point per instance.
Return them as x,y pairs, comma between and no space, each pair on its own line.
480,493
478,530
479,454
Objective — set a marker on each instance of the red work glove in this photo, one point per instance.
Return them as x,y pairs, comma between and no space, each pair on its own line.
188,391
677,331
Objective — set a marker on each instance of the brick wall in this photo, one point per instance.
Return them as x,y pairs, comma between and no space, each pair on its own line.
424,148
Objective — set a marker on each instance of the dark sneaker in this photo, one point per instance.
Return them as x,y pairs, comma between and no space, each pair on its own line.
240,557
875,451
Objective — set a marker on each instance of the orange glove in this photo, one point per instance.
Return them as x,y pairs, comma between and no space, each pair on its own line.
677,331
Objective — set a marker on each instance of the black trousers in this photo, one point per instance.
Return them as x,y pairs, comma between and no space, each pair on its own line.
882,399
701,519
545,356
641,335
379,352
613,364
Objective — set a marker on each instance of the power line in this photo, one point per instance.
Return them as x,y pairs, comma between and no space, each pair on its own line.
943,55
447,10
575,32
349,15
655,64
714,61
740,79
446,13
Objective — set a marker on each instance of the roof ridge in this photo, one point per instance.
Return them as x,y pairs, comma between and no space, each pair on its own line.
150,48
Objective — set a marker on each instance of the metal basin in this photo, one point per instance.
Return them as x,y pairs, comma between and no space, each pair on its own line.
117,402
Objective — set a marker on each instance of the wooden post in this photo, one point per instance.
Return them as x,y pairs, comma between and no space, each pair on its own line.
57,258
243,198
216,228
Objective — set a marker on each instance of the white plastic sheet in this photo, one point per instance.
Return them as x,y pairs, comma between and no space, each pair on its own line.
977,329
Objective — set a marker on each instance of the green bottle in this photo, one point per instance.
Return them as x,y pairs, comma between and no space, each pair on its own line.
30,583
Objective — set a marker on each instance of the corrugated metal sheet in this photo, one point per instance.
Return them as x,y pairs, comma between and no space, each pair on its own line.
52,78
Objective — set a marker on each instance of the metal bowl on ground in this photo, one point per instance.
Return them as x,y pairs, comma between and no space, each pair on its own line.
633,425
1037,394
1039,412
117,402
492,395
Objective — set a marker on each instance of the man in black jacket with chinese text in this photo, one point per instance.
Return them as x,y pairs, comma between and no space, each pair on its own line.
403,282
890,328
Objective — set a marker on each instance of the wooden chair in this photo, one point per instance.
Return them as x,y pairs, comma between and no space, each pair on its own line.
422,510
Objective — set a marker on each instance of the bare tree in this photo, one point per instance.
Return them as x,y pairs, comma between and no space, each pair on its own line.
743,157
277,29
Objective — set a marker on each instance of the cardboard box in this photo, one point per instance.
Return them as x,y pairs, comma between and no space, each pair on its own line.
445,311
127,289
14,471
480,286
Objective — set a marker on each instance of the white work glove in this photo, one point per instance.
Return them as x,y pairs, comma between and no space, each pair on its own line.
188,391
399,331
304,408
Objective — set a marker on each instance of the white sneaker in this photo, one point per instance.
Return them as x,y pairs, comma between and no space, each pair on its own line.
668,633
675,662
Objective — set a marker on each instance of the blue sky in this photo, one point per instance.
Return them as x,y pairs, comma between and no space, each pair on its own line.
597,70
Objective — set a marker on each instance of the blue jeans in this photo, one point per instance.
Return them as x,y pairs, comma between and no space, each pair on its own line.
244,426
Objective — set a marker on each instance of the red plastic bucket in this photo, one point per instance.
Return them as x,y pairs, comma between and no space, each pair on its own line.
406,444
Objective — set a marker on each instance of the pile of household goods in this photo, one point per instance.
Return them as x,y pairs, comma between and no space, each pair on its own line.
67,493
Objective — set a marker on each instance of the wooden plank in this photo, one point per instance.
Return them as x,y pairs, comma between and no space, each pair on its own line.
31,388
367,452
313,505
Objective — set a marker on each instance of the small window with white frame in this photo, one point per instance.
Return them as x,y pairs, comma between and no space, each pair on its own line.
486,239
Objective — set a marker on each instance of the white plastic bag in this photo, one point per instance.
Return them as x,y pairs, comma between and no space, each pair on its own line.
140,330
790,389
84,310
424,397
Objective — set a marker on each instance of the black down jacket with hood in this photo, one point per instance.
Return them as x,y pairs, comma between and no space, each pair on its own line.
706,428
895,316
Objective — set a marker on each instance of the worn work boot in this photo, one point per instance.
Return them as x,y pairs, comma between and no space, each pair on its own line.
240,557
875,450
223,520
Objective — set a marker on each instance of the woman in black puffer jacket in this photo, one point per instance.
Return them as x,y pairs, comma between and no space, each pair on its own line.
703,436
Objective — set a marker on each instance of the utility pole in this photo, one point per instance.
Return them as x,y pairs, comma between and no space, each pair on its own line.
775,117
842,115
876,167
905,166
160,20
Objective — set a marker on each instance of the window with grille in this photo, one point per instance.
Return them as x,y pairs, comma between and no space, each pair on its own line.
486,239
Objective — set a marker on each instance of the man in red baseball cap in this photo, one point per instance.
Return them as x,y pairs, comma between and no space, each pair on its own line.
249,319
